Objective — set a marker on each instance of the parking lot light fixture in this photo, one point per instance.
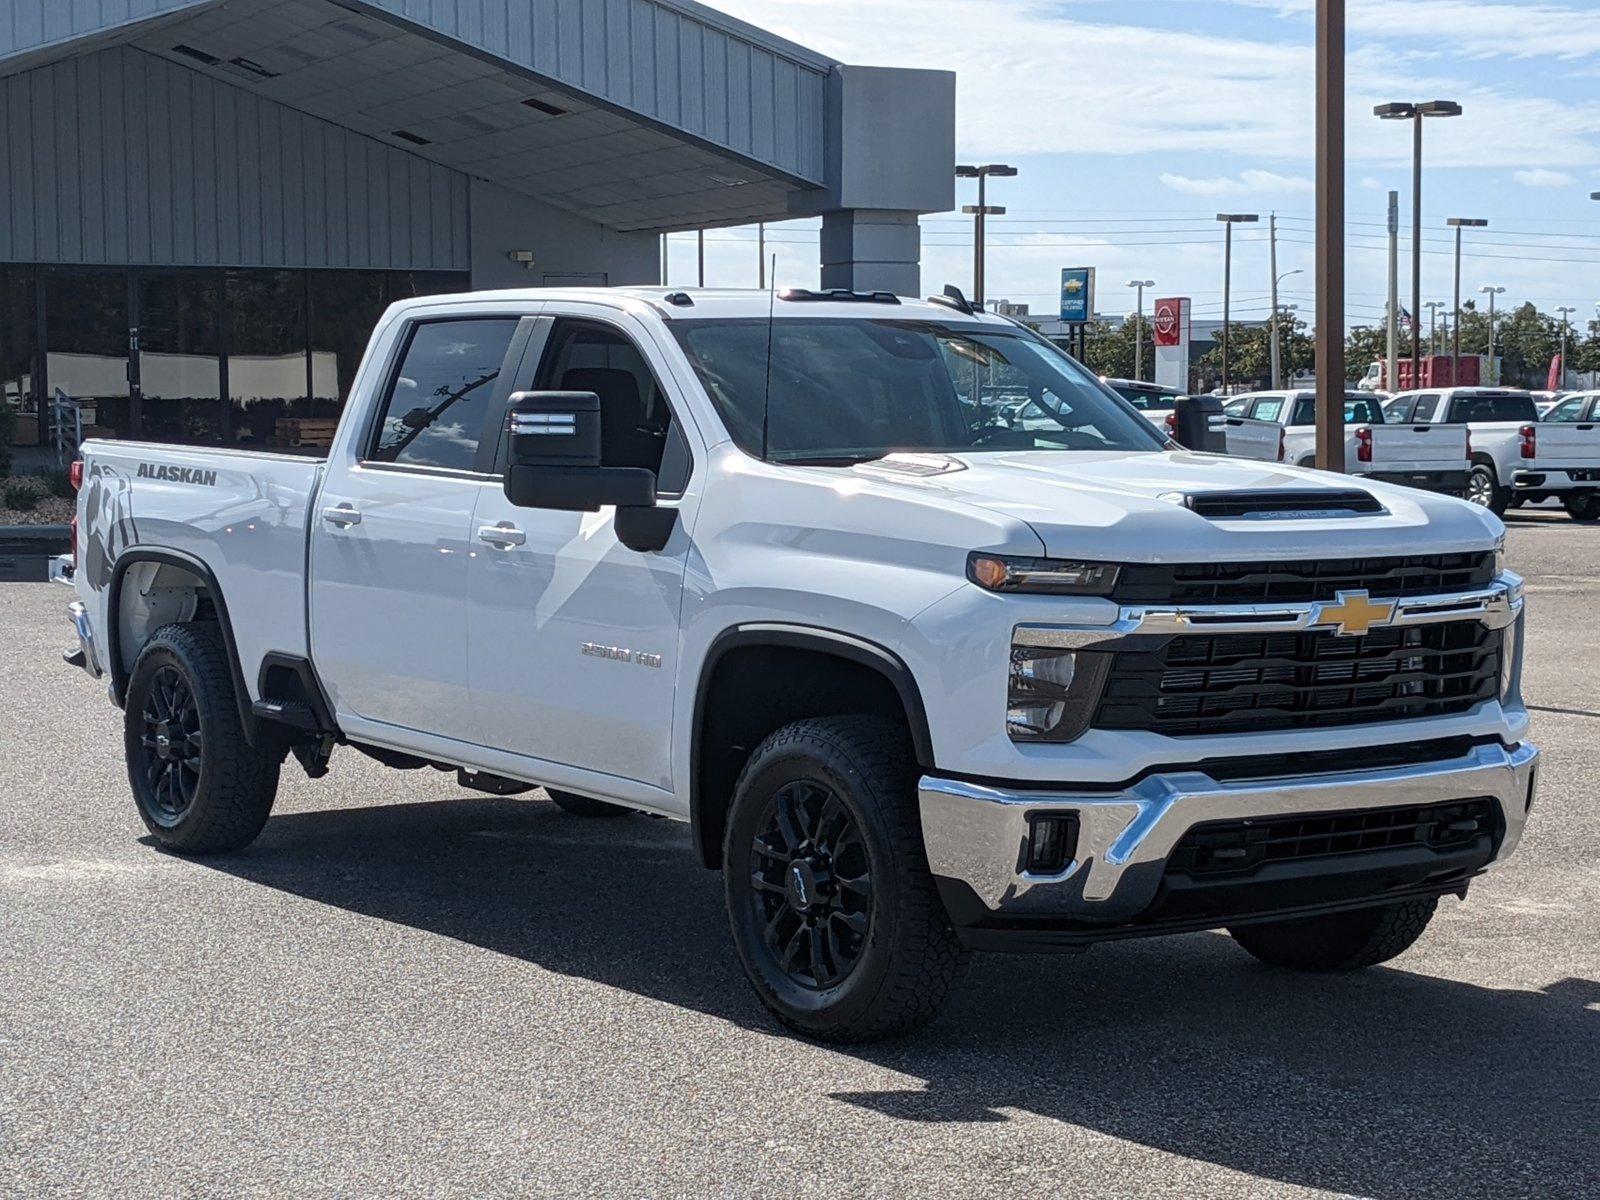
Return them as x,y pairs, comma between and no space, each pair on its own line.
1492,290
1416,113
1458,224
1229,220
978,212
1138,328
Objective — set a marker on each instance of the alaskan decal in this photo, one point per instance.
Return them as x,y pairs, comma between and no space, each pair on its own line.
162,471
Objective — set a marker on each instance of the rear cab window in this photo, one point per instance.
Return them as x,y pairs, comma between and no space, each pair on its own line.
1472,407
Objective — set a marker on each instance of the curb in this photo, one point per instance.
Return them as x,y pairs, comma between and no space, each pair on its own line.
26,551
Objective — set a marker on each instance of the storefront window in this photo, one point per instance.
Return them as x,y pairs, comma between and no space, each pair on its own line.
268,388
18,346
180,357
86,346
345,305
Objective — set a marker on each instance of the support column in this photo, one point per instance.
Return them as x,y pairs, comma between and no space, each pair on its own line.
872,250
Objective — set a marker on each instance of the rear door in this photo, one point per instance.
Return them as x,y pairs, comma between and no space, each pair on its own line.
1259,434
391,536
574,637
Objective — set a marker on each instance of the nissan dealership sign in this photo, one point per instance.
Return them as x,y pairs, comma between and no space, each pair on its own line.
1171,330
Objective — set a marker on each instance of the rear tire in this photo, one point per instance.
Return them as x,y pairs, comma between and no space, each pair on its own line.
200,787
1344,941
834,912
1484,489
1584,507
583,806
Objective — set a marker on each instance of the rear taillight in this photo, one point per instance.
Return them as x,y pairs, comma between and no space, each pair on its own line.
1469,445
1364,445
1283,450
74,542
1172,423
1530,441
75,474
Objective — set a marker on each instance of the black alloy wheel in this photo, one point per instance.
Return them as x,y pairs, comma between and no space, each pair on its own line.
811,885
173,750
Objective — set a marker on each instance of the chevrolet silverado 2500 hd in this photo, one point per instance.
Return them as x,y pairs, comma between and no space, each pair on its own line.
934,642
1513,454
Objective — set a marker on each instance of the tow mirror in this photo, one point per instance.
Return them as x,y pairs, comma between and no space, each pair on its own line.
554,457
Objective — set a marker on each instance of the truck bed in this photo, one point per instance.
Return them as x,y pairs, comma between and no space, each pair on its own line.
244,514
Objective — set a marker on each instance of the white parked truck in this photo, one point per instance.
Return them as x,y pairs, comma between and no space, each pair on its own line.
1282,427
1514,456
934,643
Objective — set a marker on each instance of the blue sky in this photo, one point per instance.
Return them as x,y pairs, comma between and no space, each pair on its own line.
1135,122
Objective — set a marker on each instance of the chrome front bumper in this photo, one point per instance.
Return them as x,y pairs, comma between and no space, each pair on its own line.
979,835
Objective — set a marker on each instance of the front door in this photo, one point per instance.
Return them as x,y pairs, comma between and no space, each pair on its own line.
392,531
574,636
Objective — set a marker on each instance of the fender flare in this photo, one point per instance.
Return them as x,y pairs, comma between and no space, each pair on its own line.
801,637
185,562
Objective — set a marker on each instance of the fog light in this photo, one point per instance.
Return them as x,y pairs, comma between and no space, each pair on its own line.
1052,844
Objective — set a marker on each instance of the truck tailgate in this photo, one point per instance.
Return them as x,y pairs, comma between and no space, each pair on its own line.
1418,447
1249,438
242,514
1560,446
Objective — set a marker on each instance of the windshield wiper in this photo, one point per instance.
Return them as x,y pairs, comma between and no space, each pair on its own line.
833,460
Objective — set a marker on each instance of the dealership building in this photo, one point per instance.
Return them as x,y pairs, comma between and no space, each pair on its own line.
207,203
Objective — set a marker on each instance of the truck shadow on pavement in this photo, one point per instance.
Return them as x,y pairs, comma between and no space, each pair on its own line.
1386,1083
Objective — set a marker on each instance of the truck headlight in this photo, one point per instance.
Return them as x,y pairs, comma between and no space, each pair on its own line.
1051,576
1051,692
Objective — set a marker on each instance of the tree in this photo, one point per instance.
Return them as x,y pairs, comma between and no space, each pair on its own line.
1250,353
1110,351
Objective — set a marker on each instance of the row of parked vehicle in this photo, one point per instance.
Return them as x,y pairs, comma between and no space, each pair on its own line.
1493,446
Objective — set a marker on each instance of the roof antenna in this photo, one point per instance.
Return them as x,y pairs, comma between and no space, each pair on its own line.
766,403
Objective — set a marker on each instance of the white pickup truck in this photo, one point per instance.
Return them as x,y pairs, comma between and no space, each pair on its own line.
924,670
1282,427
1515,457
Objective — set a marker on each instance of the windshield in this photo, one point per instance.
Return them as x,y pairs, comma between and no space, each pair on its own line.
845,390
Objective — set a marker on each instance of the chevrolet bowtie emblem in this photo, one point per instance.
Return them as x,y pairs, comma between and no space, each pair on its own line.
1354,614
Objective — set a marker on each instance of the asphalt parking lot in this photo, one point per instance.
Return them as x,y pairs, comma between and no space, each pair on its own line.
403,989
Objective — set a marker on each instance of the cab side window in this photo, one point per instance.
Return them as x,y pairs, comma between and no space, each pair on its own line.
1239,408
1269,409
1569,410
1427,405
636,424
439,396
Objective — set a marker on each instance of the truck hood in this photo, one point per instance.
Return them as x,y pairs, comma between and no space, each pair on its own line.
1129,507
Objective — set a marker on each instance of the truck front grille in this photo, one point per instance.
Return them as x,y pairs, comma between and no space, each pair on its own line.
1237,847
1232,683
1302,582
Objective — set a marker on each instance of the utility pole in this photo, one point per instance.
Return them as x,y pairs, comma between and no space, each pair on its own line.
1392,365
1433,307
1330,234
1272,237
1566,311
761,255
1138,328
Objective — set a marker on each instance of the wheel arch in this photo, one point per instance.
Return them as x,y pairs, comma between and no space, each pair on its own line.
1481,459
205,579
851,674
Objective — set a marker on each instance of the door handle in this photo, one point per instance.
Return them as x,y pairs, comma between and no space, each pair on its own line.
501,535
342,515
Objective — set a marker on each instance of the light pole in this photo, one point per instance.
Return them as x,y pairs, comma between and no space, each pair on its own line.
1330,234
1458,224
1229,220
1416,114
1138,328
978,212
1433,307
1277,373
1492,291
1566,311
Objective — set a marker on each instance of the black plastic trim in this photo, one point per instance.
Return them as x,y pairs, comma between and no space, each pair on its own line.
799,637
185,562
306,672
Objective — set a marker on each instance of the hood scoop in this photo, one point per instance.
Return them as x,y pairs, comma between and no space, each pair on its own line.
1282,504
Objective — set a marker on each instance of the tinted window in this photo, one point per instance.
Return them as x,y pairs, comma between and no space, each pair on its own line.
1398,410
1490,406
1143,398
18,351
440,395
1426,407
1239,408
636,427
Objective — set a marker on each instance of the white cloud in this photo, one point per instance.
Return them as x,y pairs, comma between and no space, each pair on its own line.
1469,28
1372,184
1039,77
1543,177
1248,183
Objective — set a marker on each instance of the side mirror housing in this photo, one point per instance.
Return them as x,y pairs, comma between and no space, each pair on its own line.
553,459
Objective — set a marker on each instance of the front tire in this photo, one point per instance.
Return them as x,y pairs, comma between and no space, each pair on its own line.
1344,941
200,787
834,912
1584,508
1484,490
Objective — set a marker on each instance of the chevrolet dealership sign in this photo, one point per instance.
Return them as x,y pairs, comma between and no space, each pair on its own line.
1077,295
